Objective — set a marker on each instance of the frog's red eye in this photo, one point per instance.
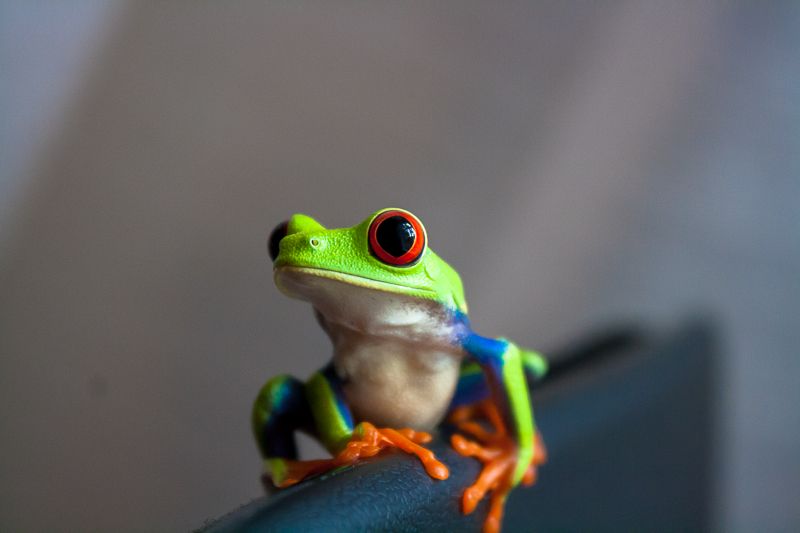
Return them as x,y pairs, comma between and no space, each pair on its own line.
397,237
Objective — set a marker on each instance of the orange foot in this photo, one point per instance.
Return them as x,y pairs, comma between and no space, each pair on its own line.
498,453
367,440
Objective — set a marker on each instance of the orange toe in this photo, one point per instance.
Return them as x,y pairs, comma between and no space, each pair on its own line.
369,441
499,462
435,468
498,452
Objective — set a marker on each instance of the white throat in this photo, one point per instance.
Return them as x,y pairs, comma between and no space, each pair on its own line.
394,353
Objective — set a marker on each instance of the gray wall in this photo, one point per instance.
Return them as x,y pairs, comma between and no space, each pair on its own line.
576,162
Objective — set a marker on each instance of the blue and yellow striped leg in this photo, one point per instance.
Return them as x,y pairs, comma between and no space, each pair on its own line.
332,417
324,414
472,387
280,409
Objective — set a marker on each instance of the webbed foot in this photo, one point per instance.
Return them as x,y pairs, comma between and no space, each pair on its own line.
499,454
367,441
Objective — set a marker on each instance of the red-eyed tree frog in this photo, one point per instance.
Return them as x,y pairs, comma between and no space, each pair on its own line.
404,359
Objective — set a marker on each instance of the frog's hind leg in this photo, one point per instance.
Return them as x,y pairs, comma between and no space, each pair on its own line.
280,409
534,364
330,412
472,387
471,407
286,405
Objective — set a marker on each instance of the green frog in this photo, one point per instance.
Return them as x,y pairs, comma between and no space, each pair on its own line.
404,359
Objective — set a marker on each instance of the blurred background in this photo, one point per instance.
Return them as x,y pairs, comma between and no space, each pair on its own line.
576,162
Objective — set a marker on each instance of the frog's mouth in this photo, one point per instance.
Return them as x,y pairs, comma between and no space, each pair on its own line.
306,282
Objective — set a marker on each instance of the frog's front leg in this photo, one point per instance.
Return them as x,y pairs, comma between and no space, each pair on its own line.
511,450
334,422
333,426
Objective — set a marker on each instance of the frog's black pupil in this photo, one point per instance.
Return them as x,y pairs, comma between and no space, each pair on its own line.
275,239
396,235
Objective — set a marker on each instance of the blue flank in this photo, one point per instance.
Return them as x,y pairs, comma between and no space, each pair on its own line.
336,385
473,384
472,388
483,349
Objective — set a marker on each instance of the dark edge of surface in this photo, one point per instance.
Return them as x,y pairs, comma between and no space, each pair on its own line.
628,422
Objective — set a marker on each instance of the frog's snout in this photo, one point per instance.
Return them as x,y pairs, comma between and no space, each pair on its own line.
297,223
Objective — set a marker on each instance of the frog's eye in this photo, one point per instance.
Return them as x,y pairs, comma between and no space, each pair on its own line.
397,237
275,239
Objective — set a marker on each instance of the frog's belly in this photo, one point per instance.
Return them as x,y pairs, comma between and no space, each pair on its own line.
391,383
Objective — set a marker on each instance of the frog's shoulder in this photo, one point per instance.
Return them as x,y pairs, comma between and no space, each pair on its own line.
447,282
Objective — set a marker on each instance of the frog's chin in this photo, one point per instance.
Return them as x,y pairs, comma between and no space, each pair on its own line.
367,306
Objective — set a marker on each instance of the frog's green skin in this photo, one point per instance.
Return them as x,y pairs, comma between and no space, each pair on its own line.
404,352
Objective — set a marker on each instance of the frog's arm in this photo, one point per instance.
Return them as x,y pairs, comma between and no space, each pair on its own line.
508,454
502,364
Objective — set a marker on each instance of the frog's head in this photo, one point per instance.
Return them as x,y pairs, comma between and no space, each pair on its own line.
387,252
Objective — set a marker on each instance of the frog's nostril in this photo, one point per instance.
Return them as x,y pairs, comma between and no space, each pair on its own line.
275,239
